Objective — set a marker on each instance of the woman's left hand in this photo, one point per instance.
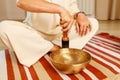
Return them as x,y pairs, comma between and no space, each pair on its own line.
83,25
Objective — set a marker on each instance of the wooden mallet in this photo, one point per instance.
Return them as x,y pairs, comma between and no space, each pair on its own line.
65,40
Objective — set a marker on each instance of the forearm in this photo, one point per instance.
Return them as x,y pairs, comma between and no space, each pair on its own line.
39,6
42,6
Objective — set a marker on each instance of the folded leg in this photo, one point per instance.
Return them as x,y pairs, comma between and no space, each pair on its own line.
28,45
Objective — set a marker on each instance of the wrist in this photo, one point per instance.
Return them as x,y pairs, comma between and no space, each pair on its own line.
78,13
61,11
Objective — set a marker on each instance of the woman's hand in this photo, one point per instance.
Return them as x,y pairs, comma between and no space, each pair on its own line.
83,25
66,20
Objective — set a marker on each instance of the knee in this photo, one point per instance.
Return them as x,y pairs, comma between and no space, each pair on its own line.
5,26
2,27
95,24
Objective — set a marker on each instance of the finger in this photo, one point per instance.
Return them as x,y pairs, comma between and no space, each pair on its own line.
84,30
90,27
62,22
68,27
87,31
64,25
81,30
77,27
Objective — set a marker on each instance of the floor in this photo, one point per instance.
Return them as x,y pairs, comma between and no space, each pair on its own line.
110,26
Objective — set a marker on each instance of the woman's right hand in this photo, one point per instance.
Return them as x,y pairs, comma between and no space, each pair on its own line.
66,20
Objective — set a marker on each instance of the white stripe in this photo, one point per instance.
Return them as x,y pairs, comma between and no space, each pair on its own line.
113,42
28,73
104,61
64,76
105,50
105,45
3,68
14,65
92,76
106,56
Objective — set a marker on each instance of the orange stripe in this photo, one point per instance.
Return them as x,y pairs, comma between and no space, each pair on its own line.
73,77
50,70
87,77
10,72
96,72
110,37
105,65
110,44
102,56
33,73
105,43
102,52
113,43
100,62
109,60
22,71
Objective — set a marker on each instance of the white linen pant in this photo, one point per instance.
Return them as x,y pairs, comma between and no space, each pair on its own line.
30,46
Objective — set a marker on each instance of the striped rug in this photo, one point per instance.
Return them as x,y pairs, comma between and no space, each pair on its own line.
105,64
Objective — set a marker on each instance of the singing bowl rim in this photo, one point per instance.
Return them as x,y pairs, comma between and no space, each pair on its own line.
53,61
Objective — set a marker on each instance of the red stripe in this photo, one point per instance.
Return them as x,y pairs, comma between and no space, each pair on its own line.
86,76
105,46
105,65
33,73
109,41
22,70
104,57
102,52
10,72
23,73
96,72
73,77
105,43
110,37
50,70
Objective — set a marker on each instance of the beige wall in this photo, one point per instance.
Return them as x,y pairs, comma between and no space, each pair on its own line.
9,10
2,9
102,9
107,9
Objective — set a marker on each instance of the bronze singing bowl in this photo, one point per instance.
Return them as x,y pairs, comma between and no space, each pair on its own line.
69,60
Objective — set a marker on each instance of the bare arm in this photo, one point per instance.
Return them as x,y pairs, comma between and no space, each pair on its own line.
42,6
38,6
